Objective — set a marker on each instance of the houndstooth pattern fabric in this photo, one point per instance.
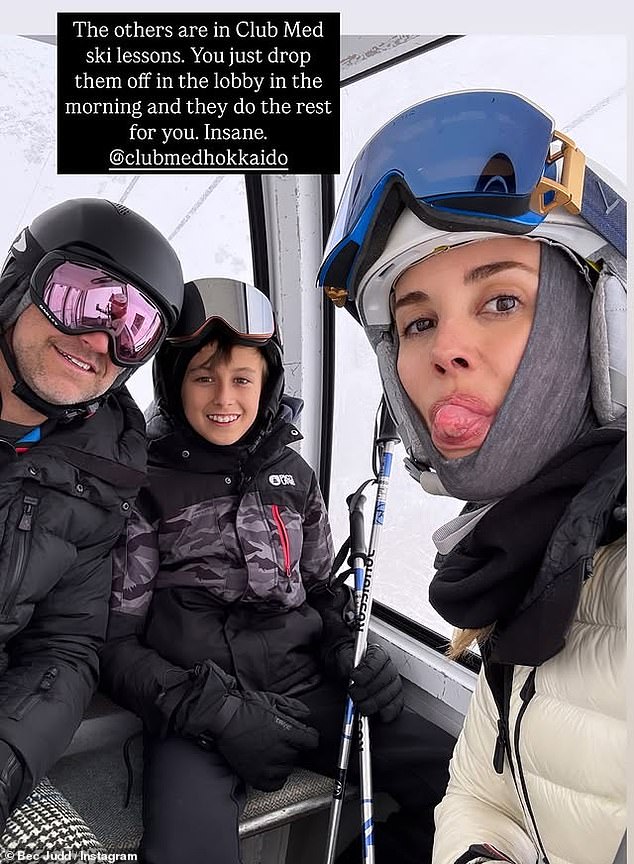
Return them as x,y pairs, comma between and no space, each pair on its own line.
46,822
300,786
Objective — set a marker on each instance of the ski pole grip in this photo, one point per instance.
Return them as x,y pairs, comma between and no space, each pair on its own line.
357,529
387,426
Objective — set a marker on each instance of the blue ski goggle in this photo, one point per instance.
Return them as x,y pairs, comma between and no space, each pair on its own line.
468,161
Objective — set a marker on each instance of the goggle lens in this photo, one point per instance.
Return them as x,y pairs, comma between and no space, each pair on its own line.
239,306
80,298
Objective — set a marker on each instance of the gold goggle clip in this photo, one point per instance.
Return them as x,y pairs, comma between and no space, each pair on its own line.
568,193
337,295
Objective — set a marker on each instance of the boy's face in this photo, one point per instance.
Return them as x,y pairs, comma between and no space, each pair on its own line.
221,397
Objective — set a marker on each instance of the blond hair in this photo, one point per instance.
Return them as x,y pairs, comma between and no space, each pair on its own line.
462,640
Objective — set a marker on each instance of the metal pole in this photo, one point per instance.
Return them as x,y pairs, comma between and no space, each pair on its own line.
356,561
363,572
388,438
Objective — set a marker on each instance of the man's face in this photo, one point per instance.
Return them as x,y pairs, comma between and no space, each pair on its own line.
61,369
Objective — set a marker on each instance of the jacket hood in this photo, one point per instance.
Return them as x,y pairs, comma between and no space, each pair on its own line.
168,371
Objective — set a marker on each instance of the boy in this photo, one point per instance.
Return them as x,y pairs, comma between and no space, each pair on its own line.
224,634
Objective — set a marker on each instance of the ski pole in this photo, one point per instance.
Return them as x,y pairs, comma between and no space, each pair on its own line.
363,570
356,561
388,438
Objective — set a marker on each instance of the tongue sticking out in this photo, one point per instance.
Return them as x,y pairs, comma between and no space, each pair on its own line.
457,424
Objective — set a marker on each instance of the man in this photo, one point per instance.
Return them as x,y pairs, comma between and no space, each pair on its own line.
87,294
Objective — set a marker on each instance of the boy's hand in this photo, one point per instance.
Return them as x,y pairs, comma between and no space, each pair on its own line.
264,738
376,685
259,734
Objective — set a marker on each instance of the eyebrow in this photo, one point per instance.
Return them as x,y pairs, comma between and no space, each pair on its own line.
471,276
410,298
485,270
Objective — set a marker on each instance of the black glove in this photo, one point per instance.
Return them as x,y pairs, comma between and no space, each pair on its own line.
264,738
376,685
11,777
336,608
259,734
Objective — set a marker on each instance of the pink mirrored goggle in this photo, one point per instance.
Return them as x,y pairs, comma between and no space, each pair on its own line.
79,297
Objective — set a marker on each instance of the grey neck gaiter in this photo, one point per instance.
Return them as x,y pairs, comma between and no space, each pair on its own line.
547,406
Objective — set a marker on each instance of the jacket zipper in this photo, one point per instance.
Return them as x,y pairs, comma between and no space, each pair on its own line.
502,744
286,546
46,682
22,539
500,748
526,694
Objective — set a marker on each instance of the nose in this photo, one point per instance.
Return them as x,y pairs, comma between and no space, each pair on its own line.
222,393
98,342
453,347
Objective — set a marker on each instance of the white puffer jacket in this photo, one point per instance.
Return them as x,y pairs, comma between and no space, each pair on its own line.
568,741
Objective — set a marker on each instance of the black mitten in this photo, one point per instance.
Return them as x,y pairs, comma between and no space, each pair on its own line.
259,734
264,738
377,686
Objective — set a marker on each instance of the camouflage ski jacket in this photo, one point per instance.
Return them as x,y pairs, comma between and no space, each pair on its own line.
222,553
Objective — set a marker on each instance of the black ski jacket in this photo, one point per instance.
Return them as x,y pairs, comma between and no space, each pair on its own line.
63,504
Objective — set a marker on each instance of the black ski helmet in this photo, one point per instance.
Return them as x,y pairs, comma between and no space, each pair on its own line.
202,320
111,235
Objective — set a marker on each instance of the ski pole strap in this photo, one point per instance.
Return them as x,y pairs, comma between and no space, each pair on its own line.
355,542
340,557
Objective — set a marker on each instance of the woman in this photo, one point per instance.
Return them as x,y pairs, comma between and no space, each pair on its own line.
489,279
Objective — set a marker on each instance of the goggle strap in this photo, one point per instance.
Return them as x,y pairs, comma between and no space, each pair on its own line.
605,211
216,320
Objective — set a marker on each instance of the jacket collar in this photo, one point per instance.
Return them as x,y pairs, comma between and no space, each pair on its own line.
170,440
595,517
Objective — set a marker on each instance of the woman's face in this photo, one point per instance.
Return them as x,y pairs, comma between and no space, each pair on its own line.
221,397
463,319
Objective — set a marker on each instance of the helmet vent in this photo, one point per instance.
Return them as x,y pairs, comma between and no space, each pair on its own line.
122,210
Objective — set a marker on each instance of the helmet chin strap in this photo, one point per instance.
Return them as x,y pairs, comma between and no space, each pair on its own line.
63,413
424,475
